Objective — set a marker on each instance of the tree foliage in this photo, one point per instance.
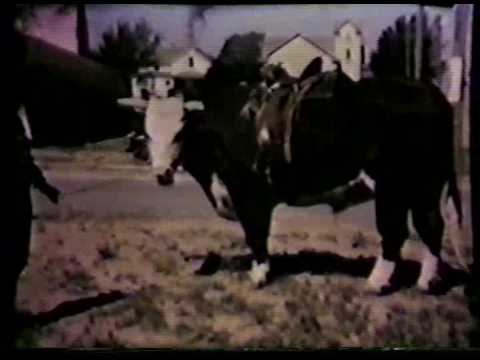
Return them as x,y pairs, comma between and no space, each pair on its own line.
395,54
239,60
126,47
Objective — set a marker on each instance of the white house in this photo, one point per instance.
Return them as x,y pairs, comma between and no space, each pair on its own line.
172,64
347,46
155,81
296,53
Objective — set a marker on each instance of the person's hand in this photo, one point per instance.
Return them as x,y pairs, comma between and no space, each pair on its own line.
53,194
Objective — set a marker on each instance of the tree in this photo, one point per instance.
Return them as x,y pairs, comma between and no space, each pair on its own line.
239,60
399,54
127,48
81,26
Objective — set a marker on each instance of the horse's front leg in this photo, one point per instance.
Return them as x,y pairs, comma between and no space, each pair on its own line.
255,214
258,243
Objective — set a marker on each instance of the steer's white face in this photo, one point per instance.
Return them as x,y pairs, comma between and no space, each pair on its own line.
162,121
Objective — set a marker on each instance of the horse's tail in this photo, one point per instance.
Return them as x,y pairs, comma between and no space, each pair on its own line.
454,195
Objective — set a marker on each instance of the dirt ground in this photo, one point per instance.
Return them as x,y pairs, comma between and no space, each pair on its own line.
316,299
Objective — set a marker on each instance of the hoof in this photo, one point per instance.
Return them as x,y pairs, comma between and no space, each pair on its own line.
436,286
258,273
379,279
428,272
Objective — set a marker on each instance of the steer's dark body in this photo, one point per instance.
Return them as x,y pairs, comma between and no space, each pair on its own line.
399,133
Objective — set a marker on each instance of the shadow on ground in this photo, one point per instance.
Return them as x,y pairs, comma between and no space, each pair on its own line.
324,263
67,309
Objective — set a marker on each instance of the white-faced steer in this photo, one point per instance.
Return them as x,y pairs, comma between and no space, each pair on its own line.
397,133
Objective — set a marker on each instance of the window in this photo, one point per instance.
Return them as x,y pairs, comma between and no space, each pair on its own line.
362,55
190,62
348,55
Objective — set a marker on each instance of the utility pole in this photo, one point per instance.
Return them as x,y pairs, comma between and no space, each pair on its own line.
474,138
419,29
82,30
408,35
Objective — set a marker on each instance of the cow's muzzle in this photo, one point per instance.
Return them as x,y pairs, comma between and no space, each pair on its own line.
167,178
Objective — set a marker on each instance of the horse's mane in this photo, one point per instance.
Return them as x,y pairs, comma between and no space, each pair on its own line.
224,99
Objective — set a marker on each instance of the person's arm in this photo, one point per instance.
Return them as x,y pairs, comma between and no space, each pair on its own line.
39,182
29,169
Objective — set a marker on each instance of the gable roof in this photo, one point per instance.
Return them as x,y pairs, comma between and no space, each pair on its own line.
65,65
273,44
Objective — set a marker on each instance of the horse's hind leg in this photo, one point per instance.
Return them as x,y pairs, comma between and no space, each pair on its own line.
391,218
429,223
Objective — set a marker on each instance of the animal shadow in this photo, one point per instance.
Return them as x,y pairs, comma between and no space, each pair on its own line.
327,263
66,309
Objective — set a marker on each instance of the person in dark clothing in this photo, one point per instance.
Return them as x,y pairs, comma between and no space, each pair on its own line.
27,174
16,246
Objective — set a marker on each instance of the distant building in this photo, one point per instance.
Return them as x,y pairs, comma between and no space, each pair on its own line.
176,66
350,49
173,67
346,46
296,53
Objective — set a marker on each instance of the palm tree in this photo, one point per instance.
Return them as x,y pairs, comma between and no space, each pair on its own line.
81,28
419,30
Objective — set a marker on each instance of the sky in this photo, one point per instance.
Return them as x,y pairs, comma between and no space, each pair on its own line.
222,21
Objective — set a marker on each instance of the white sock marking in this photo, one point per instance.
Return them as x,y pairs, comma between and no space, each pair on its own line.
258,273
381,274
264,135
429,269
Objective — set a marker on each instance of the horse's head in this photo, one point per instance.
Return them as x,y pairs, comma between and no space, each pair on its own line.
201,152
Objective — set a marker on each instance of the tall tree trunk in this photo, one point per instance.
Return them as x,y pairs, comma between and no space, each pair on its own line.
408,34
473,289
474,138
436,51
82,30
419,28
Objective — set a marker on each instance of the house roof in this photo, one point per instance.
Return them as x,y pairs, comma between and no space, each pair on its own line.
273,44
65,65
167,56
343,23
